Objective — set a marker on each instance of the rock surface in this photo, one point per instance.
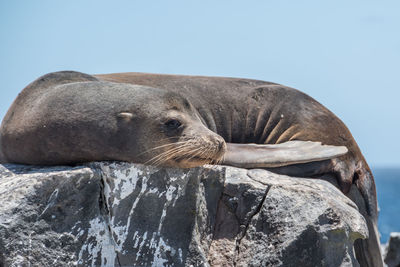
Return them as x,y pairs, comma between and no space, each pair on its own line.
121,214
392,250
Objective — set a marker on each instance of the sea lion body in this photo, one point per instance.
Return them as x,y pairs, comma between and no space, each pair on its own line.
251,111
238,110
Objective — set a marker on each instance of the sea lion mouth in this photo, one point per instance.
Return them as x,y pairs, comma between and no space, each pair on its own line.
188,161
198,157
193,159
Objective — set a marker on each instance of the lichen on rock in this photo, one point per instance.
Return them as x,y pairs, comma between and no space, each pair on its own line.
123,214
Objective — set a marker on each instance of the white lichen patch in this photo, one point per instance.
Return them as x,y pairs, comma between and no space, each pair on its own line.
98,242
162,248
124,181
137,182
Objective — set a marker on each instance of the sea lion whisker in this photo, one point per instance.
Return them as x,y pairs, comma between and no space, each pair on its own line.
187,151
217,161
196,152
161,157
166,155
161,146
211,162
206,154
182,150
176,151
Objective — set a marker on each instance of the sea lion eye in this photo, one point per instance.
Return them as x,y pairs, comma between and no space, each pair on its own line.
173,124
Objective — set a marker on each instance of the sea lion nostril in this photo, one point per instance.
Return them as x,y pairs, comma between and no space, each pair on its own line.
220,145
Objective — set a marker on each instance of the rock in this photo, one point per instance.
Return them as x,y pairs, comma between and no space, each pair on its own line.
122,214
392,250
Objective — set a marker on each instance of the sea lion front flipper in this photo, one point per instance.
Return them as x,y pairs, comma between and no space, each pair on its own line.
278,155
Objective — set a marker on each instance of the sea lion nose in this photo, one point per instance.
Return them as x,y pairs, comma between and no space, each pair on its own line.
220,142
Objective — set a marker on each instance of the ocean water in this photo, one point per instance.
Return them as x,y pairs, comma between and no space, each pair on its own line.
387,182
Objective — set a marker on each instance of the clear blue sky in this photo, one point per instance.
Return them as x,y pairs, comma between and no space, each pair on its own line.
346,54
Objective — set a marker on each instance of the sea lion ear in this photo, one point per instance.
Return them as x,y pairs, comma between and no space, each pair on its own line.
127,116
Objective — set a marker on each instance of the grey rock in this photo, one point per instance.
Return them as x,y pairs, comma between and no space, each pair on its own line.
122,214
392,250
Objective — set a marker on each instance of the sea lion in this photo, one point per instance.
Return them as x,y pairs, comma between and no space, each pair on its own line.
71,117
186,121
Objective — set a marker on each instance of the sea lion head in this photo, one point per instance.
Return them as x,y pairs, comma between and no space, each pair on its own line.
168,131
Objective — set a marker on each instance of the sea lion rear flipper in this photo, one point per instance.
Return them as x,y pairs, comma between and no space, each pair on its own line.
364,195
277,155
